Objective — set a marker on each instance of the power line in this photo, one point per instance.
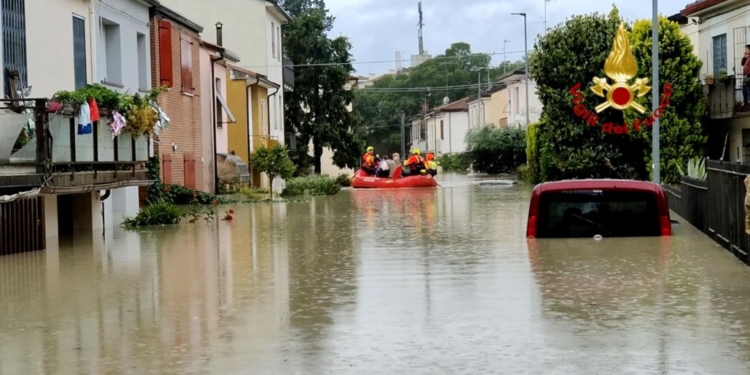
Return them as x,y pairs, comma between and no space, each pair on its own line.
419,89
377,61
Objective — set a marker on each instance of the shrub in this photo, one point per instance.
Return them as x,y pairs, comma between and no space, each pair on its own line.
496,150
344,180
532,152
456,162
178,194
525,174
313,185
273,161
156,213
254,194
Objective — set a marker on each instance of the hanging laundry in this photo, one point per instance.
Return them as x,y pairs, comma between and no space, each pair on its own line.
94,109
162,121
84,120
117,124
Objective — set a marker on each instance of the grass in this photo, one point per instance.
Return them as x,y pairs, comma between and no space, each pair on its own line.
312,185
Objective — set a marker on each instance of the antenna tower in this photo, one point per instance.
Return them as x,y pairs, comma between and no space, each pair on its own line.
421,44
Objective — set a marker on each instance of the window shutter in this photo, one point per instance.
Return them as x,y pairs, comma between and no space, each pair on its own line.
165,54
186,60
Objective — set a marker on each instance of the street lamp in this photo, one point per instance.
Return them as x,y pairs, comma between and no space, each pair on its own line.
655,92
506,41
479,92
526,48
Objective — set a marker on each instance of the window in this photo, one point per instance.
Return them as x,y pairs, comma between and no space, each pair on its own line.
442,132
79,52
142,62
585,213
278,36
112,52
517,100
14,41
720,53
263,117
273,40
186,61
281,114
165,54
221,105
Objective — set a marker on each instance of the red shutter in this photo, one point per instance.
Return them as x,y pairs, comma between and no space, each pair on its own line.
166,169
186,57
189,160
165,54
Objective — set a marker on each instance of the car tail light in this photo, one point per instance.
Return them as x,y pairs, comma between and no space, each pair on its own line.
531,227
666,226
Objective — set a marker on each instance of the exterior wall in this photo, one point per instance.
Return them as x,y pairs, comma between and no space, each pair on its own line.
691,30
237,134
455,125
736,151
517,113
479,114
734,24
499,108
42,18
247,28
184,109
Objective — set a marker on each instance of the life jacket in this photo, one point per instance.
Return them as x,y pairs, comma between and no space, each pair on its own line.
368,161
414,161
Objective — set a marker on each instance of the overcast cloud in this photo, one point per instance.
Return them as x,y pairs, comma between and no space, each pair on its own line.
379,28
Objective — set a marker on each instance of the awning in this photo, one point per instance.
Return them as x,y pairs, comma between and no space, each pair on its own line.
225,107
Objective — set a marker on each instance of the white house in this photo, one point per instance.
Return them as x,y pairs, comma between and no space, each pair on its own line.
516,86
479,112
719,30
442,129
254,30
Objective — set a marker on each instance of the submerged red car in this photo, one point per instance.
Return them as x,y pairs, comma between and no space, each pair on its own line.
591,207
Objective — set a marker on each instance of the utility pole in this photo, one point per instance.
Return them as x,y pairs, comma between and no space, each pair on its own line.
655,91
526,48
506,41
403,135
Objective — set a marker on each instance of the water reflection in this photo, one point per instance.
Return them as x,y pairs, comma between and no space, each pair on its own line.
424,281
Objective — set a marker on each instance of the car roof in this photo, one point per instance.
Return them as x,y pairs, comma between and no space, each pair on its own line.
596,184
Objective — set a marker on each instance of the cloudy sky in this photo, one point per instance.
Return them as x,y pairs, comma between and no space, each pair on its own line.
379,28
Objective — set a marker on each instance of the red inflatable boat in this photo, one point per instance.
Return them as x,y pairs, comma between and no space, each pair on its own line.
363,181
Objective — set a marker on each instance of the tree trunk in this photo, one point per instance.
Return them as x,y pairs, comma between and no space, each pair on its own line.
318,154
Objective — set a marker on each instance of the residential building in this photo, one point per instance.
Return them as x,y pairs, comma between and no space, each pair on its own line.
498,106
254,30
247,98
479,111
215,107
515,84
720,31
326,160
175,64
442,129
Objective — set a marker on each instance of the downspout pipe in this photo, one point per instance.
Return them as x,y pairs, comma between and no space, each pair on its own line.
249,123
213,104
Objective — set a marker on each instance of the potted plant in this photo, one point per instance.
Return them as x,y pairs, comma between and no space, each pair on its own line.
709,79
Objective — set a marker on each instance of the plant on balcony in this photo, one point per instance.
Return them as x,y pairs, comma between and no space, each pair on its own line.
709,79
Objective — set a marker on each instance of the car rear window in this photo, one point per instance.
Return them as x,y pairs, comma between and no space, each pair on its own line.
609,213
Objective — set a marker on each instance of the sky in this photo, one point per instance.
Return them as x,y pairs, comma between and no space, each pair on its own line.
379,28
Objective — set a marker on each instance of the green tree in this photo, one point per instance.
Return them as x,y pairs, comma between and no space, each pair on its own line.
496,150
682,137
316,111
273,161
383,103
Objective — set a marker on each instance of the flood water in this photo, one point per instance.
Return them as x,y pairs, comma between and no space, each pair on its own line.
432,281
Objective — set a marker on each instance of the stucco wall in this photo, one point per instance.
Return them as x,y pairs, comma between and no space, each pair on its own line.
499,108
237,134
517,114
49,39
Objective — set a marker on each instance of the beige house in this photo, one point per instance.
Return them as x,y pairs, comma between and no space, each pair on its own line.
498,106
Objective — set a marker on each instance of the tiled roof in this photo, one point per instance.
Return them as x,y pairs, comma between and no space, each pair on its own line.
456,106
700,5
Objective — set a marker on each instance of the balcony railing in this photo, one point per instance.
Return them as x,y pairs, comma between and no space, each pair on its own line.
288,75
41,147
722,97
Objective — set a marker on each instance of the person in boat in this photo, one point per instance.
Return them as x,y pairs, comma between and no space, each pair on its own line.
415,164
394,162
384,169
430,164
368,161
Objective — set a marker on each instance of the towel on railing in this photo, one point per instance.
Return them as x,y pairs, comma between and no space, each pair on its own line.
117,124
94,109
84,120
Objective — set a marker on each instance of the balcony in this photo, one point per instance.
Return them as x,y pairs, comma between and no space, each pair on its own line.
288,75
43,149
725,98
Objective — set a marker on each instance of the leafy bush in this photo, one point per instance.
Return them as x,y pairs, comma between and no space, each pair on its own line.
696,169
525,174
156,213
273,161
496,150
313,185
532,153
254,194
158,192
344,180
456,162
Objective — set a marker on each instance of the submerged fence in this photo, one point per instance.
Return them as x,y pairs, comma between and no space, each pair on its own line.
716,206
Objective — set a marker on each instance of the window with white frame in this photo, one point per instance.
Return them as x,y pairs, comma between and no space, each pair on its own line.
273,40
142,62
112,51
278,36
720,54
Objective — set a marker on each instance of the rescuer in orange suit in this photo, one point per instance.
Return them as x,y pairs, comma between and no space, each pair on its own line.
430,164
415,163
368,161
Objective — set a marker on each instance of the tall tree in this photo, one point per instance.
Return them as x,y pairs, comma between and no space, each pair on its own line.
316,111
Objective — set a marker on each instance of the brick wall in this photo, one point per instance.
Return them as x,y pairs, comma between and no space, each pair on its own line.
183,110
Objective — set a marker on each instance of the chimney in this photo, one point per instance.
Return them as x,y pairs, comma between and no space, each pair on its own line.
219,38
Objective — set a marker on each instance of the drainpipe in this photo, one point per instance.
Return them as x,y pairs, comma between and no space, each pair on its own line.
219,38
249,124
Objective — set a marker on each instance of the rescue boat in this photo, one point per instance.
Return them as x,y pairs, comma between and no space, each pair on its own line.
361,180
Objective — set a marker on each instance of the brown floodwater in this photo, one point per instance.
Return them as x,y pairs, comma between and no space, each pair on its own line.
432,281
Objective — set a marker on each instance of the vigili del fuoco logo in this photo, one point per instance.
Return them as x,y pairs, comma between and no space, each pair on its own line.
621,68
